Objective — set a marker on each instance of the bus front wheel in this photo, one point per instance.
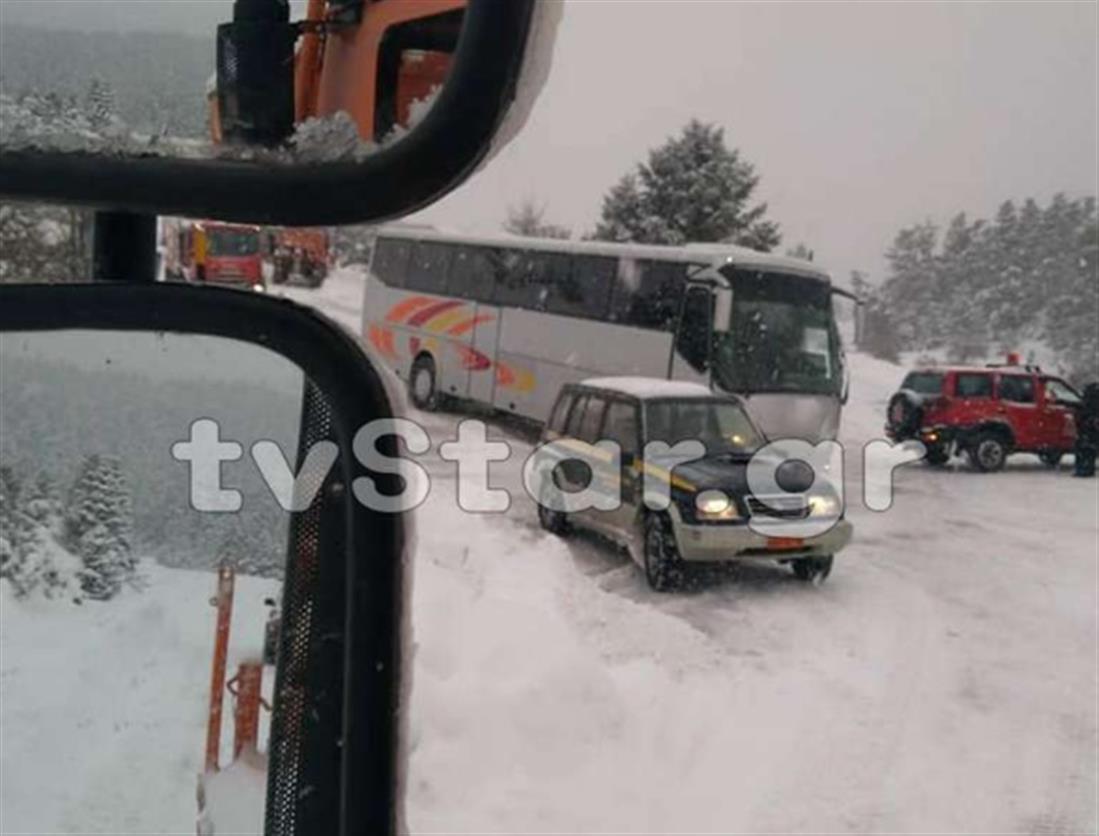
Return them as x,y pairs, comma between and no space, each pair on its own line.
421,384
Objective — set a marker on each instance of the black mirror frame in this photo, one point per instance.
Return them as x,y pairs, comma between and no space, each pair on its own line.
433,159
354,760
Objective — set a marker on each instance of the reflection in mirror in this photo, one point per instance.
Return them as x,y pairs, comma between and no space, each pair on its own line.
316,81
108,573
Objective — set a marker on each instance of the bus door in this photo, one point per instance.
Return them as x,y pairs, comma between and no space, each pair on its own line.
472,278
482,363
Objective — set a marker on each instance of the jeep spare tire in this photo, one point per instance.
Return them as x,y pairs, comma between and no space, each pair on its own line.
905,414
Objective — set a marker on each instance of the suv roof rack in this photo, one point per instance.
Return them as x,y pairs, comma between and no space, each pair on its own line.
1033,369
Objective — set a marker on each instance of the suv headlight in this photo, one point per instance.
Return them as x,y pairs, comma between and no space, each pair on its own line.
715,506
825,505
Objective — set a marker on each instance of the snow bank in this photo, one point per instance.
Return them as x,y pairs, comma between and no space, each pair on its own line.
103,715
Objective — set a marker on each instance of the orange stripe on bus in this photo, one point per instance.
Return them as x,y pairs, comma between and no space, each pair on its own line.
444,321
407,306
424,314
470,324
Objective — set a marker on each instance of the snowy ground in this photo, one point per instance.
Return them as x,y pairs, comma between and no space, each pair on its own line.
943,680
103,717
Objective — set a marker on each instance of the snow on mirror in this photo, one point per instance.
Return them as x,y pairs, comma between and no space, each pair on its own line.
255,79
112,583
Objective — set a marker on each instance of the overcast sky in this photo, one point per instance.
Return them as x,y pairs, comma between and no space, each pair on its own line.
860,117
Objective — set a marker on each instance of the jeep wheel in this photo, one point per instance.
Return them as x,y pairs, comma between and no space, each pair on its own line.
1051,458
988,452
421,384
937,455
663,565
815,569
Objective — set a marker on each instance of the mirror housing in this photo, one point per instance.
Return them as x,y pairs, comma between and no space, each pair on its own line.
255,73
723,309
501,60
339,759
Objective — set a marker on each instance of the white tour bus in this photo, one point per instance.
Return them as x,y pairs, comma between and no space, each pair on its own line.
506,321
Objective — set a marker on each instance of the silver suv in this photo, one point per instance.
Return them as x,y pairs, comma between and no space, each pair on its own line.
711,506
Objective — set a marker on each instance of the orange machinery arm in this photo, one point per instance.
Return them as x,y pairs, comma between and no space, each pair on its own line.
339,70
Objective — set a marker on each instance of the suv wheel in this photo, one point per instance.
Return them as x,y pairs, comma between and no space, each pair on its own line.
421,384
555,522
988,452
663,565
1051,458
814,569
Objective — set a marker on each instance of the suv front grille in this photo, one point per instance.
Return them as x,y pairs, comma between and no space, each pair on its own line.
779,506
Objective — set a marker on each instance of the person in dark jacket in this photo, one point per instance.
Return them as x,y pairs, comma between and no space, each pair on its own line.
1087,431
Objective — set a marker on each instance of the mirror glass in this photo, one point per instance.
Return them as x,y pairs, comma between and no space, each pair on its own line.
109,566
268,80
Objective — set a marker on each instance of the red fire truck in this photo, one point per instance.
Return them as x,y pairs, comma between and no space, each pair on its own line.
208,251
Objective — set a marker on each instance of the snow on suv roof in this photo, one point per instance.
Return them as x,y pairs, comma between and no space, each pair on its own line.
650,387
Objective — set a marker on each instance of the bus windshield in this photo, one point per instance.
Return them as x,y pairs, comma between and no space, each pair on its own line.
782,337
233,242
722,426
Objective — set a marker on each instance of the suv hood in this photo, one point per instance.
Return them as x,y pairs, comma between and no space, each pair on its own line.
730,475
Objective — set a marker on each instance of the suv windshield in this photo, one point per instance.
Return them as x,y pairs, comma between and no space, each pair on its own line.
722,426
782,337
233,242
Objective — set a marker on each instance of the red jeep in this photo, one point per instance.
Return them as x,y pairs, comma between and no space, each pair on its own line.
986,412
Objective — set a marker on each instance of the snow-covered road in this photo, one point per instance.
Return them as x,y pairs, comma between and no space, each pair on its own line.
942,680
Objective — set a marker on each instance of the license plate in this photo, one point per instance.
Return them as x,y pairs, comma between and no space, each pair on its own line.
783,544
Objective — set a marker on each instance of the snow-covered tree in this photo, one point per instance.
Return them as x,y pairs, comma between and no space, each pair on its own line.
97,526
100,103
529,218
31,559
692,188
800,251
1028,274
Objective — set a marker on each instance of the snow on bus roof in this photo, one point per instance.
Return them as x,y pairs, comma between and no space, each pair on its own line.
708,254
651,387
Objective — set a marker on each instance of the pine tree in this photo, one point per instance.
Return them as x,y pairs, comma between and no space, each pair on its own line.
31,559
9,518
692,188
100,104
529,218
97,526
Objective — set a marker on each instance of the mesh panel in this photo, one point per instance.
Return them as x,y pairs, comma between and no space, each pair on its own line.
300,589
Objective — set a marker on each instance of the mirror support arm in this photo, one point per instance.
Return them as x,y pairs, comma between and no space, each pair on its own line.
124,247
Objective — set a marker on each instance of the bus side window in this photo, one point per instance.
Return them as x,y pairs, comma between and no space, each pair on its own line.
390,261
647,294
428,269
472,274
513,287
528,278
693,340
548,273
585,288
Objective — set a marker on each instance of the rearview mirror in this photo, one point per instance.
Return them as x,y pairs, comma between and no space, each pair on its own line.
116,529
358,111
